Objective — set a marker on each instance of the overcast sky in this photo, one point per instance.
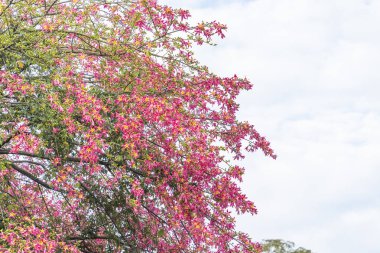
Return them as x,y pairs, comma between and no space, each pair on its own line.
315,65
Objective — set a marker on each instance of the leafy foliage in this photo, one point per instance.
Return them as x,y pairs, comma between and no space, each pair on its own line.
281,246
112,136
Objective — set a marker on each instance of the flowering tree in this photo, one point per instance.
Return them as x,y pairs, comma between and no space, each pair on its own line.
112,136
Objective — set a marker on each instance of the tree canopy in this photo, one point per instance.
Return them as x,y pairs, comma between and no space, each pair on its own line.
281,246
113,137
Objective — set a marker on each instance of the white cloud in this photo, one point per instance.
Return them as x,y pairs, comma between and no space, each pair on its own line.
316,96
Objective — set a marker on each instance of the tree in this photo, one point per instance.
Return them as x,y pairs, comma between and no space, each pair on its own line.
112,136
281,246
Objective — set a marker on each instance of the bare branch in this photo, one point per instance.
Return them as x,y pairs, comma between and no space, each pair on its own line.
34,178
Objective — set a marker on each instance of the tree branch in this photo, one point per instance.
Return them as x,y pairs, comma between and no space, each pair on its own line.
69,159
35,179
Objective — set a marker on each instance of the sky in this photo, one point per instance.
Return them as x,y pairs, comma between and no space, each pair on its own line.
316,97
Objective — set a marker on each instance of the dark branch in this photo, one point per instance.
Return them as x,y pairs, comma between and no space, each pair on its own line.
34,178
93,237
69,159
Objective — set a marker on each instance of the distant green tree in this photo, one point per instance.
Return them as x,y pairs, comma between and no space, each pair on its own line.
281,246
